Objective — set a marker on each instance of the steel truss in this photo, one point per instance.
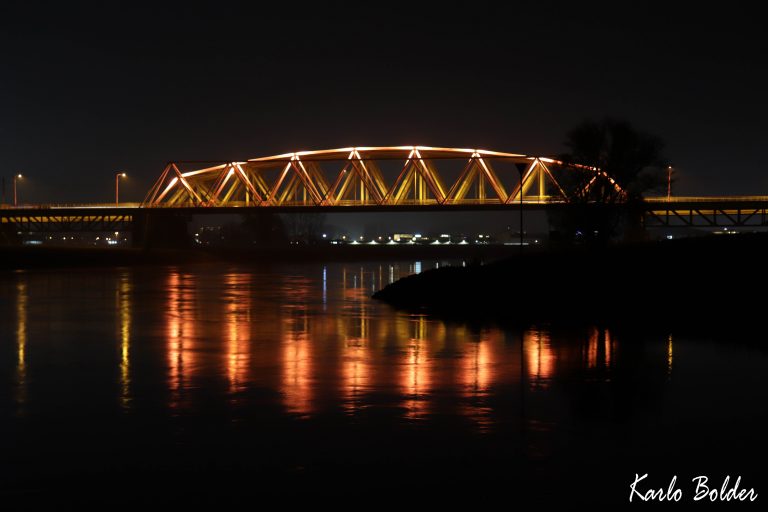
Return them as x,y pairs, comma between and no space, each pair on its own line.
703,212
360,176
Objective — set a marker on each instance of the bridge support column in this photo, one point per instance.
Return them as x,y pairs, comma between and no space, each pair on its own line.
160,230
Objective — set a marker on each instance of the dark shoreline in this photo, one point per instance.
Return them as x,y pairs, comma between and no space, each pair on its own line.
703,282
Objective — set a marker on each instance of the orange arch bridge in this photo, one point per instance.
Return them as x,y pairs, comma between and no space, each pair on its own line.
375,176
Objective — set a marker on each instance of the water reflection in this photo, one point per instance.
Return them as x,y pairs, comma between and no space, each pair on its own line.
669,357
297,365
296,344
237,324
337,348
353,326
241,366
415,379
180,334
484,353
539,357
22,297
355,372
477,369
314,338
123,306
325,288
599,348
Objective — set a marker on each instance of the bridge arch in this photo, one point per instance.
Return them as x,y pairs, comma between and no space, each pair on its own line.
376,176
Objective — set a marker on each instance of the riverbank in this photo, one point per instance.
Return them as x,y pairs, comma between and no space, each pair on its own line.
17,258
711,280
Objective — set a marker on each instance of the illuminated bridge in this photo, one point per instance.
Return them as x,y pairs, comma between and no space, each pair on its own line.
368,176
396,178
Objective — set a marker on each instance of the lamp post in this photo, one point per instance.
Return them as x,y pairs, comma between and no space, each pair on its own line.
669,182
117,186
521,211
15,178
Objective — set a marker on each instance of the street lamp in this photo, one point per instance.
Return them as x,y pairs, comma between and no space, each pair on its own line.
117,186
669,182
15,178
521,210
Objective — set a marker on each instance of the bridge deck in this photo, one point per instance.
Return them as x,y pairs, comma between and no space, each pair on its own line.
679,211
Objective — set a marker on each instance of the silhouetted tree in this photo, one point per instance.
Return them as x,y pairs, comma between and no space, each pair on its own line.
630,163
264,229
304,227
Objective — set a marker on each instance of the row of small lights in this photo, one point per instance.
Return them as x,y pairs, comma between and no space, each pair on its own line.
411,241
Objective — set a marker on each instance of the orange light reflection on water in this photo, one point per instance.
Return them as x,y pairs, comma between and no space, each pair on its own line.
477,374
180,333
354,329
22,297
539,358
670,356
476,364
416,376
237,328
296,366
599,348
355,371
124,312
296,345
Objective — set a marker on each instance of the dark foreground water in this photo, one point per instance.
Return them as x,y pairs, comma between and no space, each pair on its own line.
195,385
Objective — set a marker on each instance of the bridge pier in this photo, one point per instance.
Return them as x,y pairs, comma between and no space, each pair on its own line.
162,229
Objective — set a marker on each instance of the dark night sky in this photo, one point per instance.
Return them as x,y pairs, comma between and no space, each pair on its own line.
87,91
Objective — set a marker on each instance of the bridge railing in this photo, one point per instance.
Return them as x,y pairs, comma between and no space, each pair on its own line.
358,203
62,206
706,199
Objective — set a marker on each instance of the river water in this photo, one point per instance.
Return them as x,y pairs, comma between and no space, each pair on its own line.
209,384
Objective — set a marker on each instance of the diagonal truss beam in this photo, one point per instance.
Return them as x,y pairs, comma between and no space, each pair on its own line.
300,179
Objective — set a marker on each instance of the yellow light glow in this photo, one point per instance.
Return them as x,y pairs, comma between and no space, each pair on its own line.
592,348
670,354
297,367
311,186
21,341
124,309
416,376
237,329
540,358
180,333
340,153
